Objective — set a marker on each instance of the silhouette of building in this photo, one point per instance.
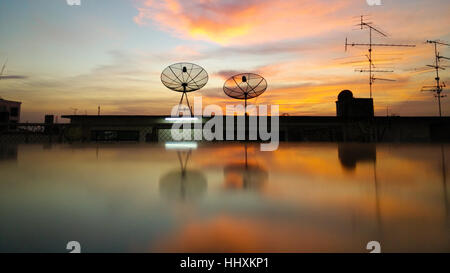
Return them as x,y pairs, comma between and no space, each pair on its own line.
348,106
9,111
355,122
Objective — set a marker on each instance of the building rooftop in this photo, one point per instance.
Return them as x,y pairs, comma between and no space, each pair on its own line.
2,99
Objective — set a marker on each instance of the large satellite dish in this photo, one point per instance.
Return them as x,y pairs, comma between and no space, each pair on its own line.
245,86
184,77
183,184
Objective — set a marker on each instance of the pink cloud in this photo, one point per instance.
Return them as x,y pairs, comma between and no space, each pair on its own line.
242,22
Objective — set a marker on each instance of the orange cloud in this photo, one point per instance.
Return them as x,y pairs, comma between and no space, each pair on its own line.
239,22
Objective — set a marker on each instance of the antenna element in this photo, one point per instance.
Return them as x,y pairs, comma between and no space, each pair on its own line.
367,25
439,87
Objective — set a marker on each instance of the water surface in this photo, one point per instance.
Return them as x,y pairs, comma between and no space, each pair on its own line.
219,198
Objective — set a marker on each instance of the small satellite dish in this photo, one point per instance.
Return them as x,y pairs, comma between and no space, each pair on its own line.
245,176
245,86
184,77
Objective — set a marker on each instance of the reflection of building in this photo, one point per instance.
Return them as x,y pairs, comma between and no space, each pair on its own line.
352,153
8,152
349,107
9,111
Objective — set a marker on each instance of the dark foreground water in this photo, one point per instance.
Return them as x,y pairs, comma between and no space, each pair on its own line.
157,198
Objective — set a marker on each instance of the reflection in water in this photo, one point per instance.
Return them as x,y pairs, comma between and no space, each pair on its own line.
349,155
8,152
320,197
444,184
352,153
185,185
245,175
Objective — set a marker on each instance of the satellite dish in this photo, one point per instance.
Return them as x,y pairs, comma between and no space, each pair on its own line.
245,175
184,77
183,184
245,86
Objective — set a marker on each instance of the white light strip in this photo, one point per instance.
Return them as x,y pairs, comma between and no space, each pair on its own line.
182,119
181,145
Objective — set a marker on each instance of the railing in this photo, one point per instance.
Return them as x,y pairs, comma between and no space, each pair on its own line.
32,132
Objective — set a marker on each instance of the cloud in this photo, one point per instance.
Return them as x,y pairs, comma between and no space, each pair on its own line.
297,45
226,74
242,22
12,77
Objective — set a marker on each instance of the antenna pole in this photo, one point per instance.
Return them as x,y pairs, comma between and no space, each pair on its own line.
187,101
245,108
3,68
371,45
181,103
189,106
370,60
439,86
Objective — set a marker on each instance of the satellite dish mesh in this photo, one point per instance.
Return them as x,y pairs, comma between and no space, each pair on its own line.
245,86
184,77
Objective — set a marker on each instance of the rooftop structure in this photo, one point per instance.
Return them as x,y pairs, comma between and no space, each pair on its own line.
348,106
9,111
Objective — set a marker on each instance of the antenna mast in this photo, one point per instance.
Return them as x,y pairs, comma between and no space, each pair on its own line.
3,69
371,70
439,87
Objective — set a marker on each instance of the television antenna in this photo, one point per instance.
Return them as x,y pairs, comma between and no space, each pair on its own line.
184,77
372,69
75,110
245,86
3,69
439,87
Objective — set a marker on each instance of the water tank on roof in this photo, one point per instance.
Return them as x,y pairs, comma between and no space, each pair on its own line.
345,95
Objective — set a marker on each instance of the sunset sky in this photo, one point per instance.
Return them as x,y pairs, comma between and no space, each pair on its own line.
111,53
